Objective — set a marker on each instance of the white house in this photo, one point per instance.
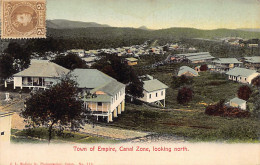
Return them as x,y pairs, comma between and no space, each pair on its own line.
242,75
5,126
237,102
154,91
102,95
40,74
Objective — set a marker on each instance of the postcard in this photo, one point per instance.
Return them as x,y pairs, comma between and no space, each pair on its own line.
167,82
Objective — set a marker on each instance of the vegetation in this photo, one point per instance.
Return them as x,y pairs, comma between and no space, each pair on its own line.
70,61
220,109
40,135
56,107
244,92
184,95
114,66
180,81
204,67
256,81
193,125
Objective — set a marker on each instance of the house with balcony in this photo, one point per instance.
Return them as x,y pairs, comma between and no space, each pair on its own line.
103,96
242,75
223,65
154,91
40,74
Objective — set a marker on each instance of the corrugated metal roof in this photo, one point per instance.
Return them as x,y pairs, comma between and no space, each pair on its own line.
96,80
227,61
254,59
197,56
110,88
43,68
131,59
184,69
153,85
238,101
90,78
241,72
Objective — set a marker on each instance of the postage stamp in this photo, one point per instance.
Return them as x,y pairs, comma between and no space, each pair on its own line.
23,19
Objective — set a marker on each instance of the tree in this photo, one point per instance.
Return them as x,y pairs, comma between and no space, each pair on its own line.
203,67
185,95
20,55
6,66
180,81
70,61
256,109
113,66
244,92
256,81
56,107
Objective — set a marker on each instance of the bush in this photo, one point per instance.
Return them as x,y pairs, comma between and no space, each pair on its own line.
244,92
184,95
203,67
220,109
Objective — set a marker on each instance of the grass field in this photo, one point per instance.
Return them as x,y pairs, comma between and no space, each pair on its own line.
190,121
40,135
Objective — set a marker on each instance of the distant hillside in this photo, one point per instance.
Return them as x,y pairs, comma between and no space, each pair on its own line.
250,30
144,28
66,24
175,33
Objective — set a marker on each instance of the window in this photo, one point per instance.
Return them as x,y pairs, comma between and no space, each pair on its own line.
2,133
99,103
162,93
150,96
156,94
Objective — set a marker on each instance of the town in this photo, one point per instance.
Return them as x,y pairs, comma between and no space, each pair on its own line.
179,90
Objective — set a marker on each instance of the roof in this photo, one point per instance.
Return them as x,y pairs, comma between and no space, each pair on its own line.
238,101
96,80
110,88
184,69
153,85
197,56
227,61
43,68
90,78
131,59
241,72
254,59
3,113
99,98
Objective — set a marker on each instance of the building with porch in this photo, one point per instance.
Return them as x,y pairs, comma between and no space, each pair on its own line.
223,65
40,74
131,61
242,75
103,96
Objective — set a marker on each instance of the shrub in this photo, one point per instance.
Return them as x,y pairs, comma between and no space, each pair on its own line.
185,95
220,109
244,92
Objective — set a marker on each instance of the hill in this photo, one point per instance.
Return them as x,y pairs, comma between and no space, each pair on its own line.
67,24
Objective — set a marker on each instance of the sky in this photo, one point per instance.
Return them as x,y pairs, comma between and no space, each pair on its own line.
160,14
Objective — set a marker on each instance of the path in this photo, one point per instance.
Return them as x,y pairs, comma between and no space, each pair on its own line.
114,133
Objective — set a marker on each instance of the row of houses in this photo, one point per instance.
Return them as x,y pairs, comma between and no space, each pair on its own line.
102,95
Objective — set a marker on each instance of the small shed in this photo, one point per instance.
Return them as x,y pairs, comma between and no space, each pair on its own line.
237,102
131,61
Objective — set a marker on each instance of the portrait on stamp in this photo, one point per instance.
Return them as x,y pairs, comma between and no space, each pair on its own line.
23,19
